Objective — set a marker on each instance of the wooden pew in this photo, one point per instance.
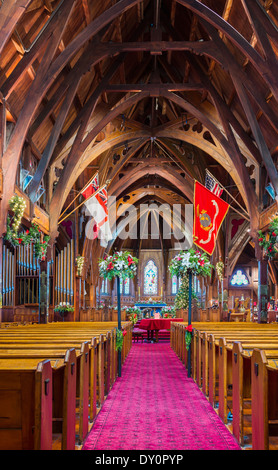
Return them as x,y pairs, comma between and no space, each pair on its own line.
63,390
264,383
25,405
44,349
36,336
214,359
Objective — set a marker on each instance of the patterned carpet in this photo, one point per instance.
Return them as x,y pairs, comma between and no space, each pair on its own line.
154,406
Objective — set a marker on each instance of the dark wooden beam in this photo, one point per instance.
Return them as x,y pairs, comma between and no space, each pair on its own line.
155,89
13,151
260,65
11,13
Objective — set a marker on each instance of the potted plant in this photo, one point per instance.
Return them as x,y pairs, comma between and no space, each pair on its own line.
63,309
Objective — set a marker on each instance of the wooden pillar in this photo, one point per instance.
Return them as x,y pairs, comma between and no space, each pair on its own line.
93,293
263,293
2,149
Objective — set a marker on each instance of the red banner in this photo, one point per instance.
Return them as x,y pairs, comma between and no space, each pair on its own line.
209,213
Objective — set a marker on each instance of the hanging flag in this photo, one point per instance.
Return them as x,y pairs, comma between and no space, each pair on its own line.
97,208
91,188
209,213
212,185
270,190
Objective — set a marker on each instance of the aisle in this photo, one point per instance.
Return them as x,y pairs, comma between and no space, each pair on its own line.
154,406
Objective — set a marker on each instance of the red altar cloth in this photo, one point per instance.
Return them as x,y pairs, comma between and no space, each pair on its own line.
161,324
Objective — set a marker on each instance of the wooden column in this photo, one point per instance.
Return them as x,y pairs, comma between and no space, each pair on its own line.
263,293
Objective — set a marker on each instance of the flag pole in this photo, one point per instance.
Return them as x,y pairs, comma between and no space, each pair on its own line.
223,187
85,200
80,192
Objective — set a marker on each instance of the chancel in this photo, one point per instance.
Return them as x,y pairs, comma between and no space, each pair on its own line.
139,225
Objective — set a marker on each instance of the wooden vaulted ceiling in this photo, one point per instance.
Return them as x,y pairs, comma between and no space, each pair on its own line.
149,93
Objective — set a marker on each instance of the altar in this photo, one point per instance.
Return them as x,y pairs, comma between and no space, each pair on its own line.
152,325
154,307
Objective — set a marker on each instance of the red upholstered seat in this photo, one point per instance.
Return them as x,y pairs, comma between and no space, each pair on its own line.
137,333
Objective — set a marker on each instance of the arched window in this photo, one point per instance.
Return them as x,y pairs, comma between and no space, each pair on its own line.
239,278
125,286
104,287
150,278
175,285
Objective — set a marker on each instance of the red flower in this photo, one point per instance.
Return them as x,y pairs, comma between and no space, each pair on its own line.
124,332
110,266
201,262
260,239
189,328
273,234
27,231
19,240
130,260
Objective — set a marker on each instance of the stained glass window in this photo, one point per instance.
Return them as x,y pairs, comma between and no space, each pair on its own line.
104,287
239,278
174,285
150,278
126,285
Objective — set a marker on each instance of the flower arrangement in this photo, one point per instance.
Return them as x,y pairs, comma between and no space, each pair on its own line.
190,260
188,336
80,262
120,264
64,308
268,241
220,270
168,311
150,301
133,313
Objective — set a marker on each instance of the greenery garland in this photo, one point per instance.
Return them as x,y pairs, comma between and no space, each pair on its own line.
80,262
220,270
268,240
182,297
32,236
120,339
188,336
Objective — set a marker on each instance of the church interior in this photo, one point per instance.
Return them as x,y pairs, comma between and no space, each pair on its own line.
129,131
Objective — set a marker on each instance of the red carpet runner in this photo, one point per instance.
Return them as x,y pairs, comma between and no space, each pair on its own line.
154,406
